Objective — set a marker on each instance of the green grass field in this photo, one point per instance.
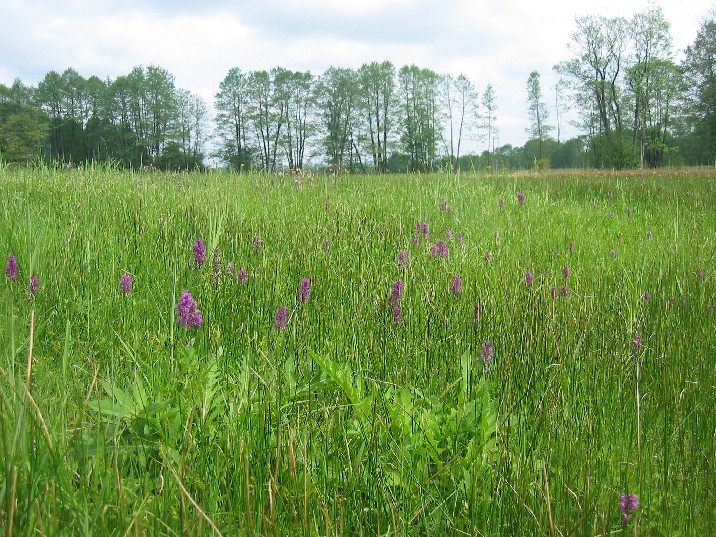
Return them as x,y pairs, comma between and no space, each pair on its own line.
518,404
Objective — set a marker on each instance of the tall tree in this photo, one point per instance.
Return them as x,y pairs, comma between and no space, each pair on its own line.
538,113
489,106
418,94
651,79
232,121
699,67
377,83
337,93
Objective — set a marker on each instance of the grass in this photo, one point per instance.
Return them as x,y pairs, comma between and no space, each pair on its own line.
116,420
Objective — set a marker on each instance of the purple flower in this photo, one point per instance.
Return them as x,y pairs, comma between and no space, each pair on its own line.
553,292
230,268
34,285
433,250
565,272
501,203
646,296
280,320
571,247
529,278
426,230
521,198
636,341
397,292
11,268
449,234
443,249
242,276
670,302
304,291
459,237
416,239
443,205
125,283
188,314
257,242
199,253
456,285
397,315
486,354
700,274
215,265
326,244
403,258
565,290
628,503
612,254
649,235
488,256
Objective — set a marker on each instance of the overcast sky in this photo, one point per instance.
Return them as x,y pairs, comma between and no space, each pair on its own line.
496,42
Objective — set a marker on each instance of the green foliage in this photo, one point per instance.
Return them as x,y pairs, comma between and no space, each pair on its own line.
346,422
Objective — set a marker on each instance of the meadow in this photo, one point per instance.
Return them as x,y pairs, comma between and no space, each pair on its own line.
217,354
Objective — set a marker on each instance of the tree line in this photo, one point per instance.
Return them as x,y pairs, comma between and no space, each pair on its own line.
635,106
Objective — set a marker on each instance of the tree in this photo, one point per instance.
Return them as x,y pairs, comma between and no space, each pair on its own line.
232,121
538,129
418,94
489,106
23,126
337,93
699,67
652,81
377,85
599,45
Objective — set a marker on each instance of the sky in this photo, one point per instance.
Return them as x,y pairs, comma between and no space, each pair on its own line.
497,42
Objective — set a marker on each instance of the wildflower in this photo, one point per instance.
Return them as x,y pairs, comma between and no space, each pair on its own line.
488,256
565,272
199,253
501,203
571,247
649,235
242,276
612,253
403,258
397,315
280,320
188,314
304,291
456,285
442,249
565,290
11,268
230,268
700,274
433,250
449,234
459,237
529,278
257,242
416,239
611,214
34,285
553,292
326,244
636,341
125,283
443,205
397,293
628,503
521,198
646,296
426,230
486,354
670,303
